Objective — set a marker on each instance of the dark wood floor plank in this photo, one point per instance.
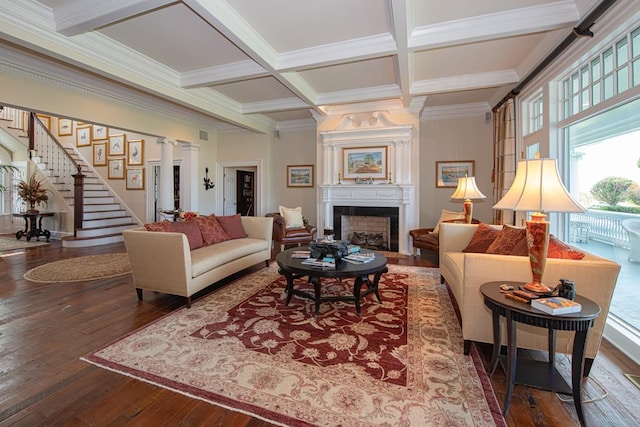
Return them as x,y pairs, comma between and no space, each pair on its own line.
46,328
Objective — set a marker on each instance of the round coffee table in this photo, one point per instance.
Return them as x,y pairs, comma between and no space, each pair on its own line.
293,268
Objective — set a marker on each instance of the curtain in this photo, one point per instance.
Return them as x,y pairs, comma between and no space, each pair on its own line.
504,157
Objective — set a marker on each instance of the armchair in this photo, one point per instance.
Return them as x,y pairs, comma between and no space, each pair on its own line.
291,236
425,238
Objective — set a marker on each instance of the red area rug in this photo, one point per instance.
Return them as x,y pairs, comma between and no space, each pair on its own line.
399,364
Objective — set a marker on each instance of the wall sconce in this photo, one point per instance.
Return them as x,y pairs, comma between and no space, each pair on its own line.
208,185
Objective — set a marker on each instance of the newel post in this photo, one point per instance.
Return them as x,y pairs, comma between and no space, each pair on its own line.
78,203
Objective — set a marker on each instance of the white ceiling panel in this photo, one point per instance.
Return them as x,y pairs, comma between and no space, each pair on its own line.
354,75
255,90
431,12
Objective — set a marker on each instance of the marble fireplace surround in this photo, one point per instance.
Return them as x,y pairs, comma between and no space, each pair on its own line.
374,130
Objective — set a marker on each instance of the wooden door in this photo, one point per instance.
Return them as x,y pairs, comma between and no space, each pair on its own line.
245,192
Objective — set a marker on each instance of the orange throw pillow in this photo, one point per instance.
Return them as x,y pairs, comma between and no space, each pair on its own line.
507,240
482,239
559,249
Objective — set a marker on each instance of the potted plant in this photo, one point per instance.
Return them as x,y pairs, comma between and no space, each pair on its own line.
33,192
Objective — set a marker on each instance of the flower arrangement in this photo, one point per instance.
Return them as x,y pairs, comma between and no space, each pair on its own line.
33,192
186,216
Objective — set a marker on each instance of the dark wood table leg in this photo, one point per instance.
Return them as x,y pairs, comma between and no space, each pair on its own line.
577,365
376,281
512,353
497,341
289,288
357,285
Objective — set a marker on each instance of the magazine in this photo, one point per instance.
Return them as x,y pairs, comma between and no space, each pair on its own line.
556,305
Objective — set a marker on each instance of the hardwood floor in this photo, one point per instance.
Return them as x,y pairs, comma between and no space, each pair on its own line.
45,328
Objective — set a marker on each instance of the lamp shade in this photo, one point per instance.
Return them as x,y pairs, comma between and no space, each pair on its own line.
537,187
467,189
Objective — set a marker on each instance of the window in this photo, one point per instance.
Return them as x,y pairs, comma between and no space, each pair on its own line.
532,114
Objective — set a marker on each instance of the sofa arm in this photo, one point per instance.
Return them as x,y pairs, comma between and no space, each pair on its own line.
160,261
258,227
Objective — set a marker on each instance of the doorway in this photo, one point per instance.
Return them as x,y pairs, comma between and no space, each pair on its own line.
240,189
245,192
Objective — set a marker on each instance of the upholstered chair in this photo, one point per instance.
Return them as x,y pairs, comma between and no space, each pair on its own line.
427,239
291,235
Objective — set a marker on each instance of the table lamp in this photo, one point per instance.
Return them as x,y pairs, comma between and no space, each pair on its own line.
466,191
537,187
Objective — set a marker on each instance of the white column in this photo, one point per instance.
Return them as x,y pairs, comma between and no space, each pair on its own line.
165,196
190,175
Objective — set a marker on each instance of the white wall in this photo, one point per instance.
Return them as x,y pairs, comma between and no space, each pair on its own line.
455,139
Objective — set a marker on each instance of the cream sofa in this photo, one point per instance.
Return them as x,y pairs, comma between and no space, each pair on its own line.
162,261
594,278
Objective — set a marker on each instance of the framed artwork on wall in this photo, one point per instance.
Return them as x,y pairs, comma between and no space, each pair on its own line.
299,175
65,127
83,136
447,173
364,162
46,121
135,179
116,169
100,154
116,145
135,148
100,132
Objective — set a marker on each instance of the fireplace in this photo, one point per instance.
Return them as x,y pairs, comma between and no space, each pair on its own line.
343,213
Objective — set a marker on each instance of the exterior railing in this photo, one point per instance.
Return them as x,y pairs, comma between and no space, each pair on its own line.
603,226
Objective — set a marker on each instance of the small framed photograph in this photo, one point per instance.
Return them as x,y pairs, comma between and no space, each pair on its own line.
135,148
116,145
46,121
116,169
83,136
100,132
364,162
299,175
100,154
65,127
447,173
135,179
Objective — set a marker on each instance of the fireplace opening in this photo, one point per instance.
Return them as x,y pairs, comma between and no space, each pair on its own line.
369,227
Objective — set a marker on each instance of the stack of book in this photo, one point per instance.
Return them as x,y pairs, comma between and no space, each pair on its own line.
556,305
326,262
360,258
300,254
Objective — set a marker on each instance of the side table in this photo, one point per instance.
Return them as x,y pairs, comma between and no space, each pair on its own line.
542,375
33,225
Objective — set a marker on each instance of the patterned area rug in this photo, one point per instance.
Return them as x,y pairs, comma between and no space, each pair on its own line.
400,364
10,243
81,269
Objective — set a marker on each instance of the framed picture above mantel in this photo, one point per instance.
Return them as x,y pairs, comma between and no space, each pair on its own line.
364,162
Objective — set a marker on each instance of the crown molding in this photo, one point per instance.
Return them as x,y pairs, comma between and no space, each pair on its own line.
274,105
221,74
297,125
525,20
455,111
346,96
464,82
366,107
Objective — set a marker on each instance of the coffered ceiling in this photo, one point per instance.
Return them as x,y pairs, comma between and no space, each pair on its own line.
269,64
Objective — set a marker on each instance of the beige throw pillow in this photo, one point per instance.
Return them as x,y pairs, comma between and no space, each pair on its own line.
446,215
292,217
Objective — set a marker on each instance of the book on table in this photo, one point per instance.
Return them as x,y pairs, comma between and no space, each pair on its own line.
360,257
556,305
300,254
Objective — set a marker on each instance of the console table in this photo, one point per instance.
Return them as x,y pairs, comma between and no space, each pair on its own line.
33,225
542,375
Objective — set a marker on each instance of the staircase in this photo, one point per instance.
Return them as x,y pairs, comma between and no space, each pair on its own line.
104,217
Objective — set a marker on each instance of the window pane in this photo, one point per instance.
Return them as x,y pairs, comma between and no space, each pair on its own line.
575,104
635,43
623,79
565,89
636,72
622,56
565,109
608,87
595,93
607,58
595,69
575,83
585,99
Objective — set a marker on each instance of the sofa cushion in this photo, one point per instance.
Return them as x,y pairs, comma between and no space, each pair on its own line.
191,230
446,215
211,230
482,239
232,225
210,257
292,217
159,226
507,240
559,249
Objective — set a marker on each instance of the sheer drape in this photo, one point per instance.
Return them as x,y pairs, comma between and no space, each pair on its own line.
504,157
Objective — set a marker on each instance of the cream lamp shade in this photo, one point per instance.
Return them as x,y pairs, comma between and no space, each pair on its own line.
467,190
537,187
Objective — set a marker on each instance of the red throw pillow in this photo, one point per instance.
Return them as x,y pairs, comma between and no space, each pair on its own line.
559,249
521,249
191,230
482,239
232,224
159,226
211,230
507,239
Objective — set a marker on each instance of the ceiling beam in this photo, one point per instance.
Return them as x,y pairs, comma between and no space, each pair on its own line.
401,20
464,82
